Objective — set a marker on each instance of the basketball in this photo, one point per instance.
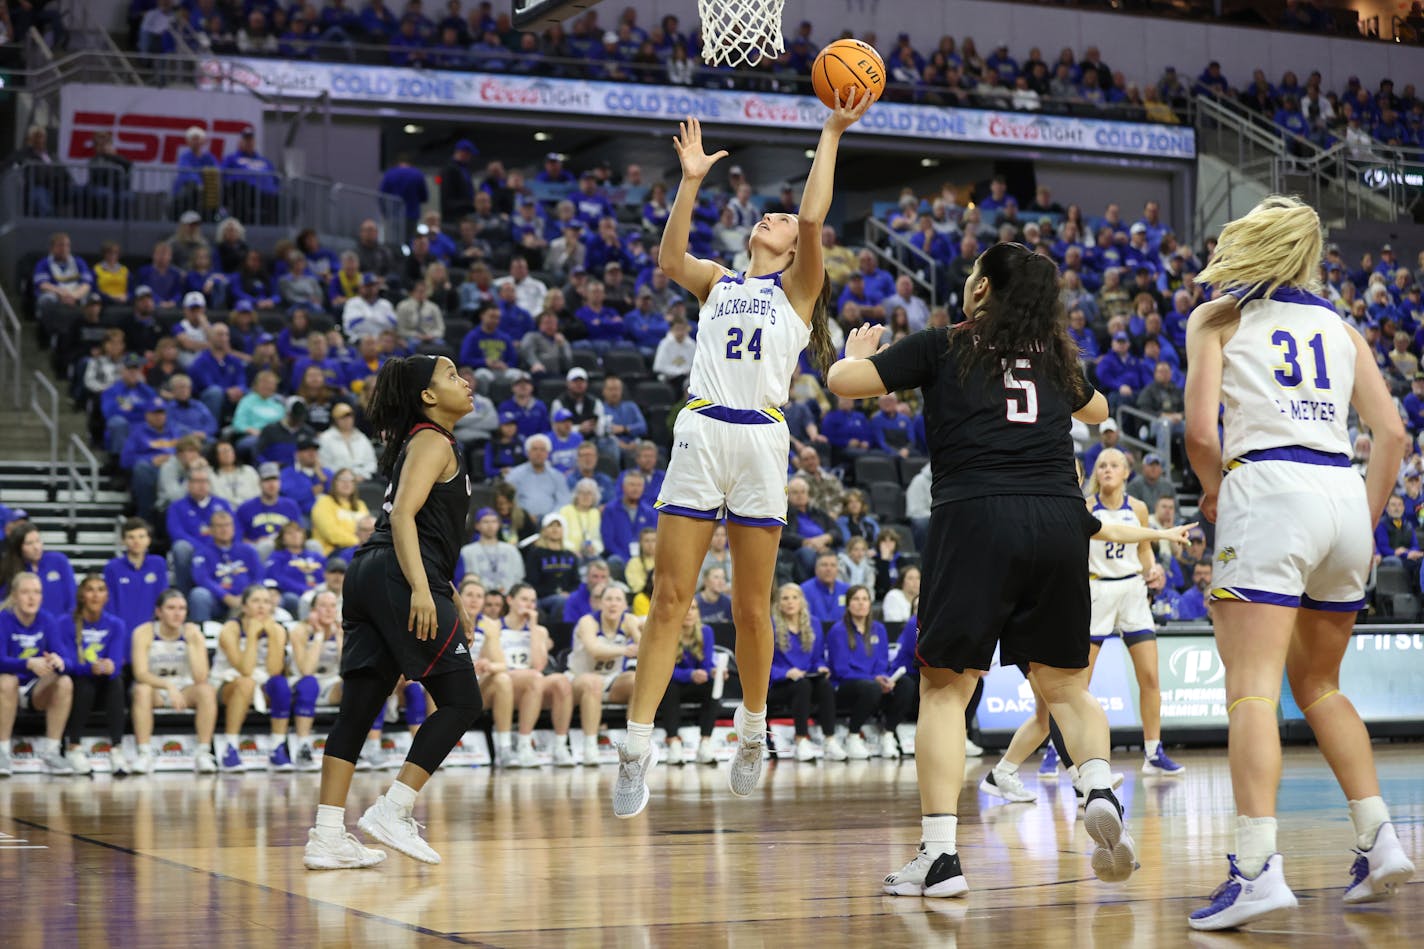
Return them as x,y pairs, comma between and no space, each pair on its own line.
845,65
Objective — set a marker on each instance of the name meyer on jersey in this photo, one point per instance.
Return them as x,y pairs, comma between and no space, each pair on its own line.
1308,410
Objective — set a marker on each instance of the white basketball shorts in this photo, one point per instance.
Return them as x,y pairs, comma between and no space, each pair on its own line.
1293,534
1120,606
730,469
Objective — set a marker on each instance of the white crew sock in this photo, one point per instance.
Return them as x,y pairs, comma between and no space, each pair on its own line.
1006,766
49,746
937,832
1368,815
527,741
753,724
330,820
401,795
1255,842
503,741
639,734
1149,748
1095,775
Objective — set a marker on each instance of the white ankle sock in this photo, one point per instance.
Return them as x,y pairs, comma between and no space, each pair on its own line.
233,741
753,724
1149,748
401,795
937,832
1006,767
502,740
527,741
1368,815
330,819
1255,842
1095,775
639,734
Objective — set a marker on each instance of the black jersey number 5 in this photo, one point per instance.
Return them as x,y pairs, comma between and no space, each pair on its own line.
1020,395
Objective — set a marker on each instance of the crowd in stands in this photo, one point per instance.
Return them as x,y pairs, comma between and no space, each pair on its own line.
949,72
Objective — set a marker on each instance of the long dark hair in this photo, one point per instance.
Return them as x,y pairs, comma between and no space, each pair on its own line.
853,630
1022,318
396,406
12,561
823,354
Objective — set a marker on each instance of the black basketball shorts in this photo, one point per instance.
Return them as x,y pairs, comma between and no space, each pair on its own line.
1011,571
376,612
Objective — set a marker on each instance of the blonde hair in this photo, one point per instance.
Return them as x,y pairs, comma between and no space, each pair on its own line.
1110,454
801,626
1276,244
8,604
689,636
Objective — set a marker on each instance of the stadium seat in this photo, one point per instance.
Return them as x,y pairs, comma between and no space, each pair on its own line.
654,391
909,467
872,468
500,391
549,388
586,359
373,492
1404,607
1390,579
456,329
625,363
887,500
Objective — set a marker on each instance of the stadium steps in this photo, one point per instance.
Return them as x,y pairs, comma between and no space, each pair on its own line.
84,530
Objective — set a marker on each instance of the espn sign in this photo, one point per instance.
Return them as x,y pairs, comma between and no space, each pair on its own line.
149,125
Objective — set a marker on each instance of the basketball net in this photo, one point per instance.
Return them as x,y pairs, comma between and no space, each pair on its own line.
741,32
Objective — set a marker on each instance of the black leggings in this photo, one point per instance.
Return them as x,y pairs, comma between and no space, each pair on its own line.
86,690
1056,736
903,703
972,708
364,692
801,695
861,699
670,714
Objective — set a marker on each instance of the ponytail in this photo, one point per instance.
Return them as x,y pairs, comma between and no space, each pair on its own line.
79,608
823,354
396,406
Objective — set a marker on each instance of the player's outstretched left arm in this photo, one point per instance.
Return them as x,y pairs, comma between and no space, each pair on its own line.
1134,534
802,280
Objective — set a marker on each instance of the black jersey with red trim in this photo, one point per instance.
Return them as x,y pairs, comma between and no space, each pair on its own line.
440,522
987,437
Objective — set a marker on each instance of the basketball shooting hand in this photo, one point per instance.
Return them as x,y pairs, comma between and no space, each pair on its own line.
847,113
864,341
422,615
688,145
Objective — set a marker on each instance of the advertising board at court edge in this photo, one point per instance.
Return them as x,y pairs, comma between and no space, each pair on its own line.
412,87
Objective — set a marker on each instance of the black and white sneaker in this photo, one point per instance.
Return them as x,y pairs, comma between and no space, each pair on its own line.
1115,856
932,878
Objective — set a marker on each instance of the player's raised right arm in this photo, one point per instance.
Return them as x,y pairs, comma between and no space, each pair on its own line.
691,273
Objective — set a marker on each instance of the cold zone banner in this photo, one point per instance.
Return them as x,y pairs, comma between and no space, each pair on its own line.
400,86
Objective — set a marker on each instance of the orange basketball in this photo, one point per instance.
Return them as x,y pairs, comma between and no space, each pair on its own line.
847,65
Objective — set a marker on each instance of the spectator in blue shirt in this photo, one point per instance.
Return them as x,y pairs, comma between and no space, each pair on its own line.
564,442
1120,372
250,182
407,183
125,403
222,568
604,246
626,518
1414,404
645,325
136,577
260,520
554,171
190,522
94,656
1086,339
604,324
185,412
825,593
160,276
591,206
292,568
145,450
858,649
624,426
306,478
25,548
188,182
1192,605
847,430
60,280
487,350
891,427
531,415
32,645
219,373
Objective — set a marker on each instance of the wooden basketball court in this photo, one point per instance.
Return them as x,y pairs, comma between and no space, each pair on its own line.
535,858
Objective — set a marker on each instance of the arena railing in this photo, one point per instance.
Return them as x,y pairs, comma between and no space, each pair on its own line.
83,487
44,402
903,258
1146,432
150,193
11,351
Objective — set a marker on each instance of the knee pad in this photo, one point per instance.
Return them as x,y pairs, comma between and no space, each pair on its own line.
306,692
279,697
415,704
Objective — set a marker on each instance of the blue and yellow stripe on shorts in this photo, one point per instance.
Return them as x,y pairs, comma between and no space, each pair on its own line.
721,413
